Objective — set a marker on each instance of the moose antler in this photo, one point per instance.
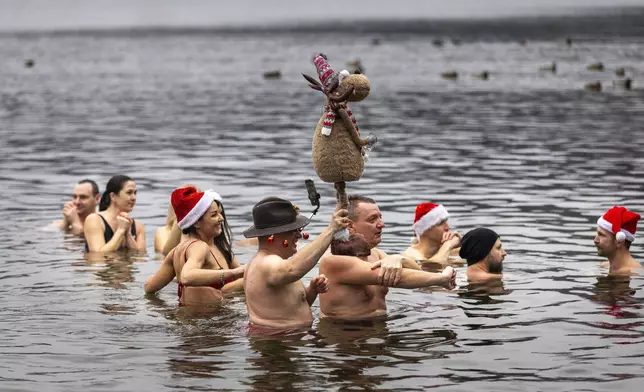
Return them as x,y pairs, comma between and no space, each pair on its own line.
328,91
314,84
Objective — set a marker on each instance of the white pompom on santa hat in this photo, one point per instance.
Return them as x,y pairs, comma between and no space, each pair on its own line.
427,216
189,204
621,222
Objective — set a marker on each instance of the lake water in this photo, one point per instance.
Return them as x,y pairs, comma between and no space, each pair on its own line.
530,154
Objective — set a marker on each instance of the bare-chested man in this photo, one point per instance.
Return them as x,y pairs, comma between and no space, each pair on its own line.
365,219
434,242
85,198
615,233
355,290
483,250
275,296
203,262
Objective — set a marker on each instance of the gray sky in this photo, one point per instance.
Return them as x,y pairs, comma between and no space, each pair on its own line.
53,14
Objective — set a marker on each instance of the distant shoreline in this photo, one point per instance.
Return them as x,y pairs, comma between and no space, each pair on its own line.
597,21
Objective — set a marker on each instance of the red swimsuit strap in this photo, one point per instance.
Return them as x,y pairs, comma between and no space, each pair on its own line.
217,286
185,259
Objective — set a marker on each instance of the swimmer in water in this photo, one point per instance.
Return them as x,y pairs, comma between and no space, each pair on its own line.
434,243
356,291
483,250
615,234
169,235
85,198
275,295
203,262
112,228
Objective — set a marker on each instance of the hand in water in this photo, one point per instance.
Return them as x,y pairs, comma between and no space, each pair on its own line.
123,222
340,220
390,270
450,278
70,212
320,284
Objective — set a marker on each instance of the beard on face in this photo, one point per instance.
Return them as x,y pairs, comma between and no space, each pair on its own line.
496,268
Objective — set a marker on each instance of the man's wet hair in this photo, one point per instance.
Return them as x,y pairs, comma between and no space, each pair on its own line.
95,190
355,246
354,200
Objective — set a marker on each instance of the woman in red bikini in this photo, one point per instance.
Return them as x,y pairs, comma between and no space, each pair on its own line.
203,262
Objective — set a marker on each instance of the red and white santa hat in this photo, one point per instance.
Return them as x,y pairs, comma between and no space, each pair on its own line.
621,222
189,204
427,216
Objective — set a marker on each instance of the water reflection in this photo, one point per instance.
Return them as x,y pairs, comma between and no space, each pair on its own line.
115,269
358,347
280,362
483,290
523,153
358,351
203,339
617,295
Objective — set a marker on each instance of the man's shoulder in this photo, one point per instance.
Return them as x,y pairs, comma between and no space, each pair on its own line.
337,262
378,254
412,253
262,260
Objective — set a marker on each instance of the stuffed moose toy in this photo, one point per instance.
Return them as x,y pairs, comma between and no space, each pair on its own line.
338,150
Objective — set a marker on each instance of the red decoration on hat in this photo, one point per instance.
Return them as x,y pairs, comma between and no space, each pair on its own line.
271,239
327,76
325,72
305,236
285,244
427,216
621,222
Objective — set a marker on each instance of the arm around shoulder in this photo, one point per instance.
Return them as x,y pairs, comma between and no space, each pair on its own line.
352,270
348,270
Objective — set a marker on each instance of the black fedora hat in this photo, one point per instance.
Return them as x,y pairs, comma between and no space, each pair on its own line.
273,215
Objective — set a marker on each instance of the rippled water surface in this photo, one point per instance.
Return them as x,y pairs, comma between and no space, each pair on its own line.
530,154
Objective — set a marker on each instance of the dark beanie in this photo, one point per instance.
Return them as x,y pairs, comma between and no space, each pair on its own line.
477,244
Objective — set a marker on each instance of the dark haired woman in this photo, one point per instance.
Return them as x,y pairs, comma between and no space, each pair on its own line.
203,261
112,229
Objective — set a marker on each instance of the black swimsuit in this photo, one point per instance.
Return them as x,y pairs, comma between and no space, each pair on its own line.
109,233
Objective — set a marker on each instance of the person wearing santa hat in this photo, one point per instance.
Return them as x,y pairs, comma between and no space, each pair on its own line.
615,234
203,261
433,241
276,299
